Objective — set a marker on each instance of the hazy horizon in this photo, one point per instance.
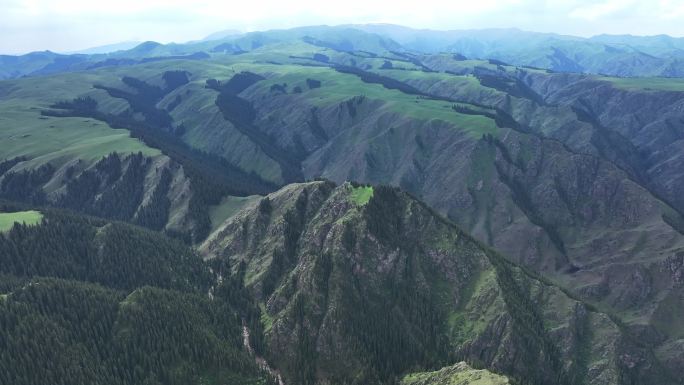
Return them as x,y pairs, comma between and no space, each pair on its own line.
74,25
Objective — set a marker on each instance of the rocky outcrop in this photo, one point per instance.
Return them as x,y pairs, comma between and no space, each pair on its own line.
150,191
374,289
460,373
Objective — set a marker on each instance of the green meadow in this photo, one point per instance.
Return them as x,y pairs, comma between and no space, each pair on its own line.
25,132
647,84
30,217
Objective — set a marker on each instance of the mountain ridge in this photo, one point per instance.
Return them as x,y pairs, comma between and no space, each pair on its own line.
616,55
306,230
573,177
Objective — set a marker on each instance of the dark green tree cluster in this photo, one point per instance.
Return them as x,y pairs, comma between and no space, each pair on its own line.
121,199
539,361
236,109
284,259
144,101
112,254
233,290
388,326
7,164
80,105
313,83
387,82
123,305
175,79
212,177
111,189
155,213
241,113
67,332
238,83
501,118
384,213
321,58
26,186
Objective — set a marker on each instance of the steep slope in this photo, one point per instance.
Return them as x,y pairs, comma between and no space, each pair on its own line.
631,223
362,284
58,149
596,164
578,201
134,188
573,176
532,163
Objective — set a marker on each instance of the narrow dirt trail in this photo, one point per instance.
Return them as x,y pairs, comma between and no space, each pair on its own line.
260,361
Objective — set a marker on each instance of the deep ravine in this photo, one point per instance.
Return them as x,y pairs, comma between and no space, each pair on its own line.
260,361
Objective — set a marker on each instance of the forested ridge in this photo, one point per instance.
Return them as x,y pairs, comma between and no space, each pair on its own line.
87,301
393,289
211,176
363,291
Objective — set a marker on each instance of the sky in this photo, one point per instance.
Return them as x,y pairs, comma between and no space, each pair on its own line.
70,25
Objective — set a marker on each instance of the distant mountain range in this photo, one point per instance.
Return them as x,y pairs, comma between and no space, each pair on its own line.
122,46
614,55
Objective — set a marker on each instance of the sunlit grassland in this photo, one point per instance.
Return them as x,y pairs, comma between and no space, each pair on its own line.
647,84
361,195
25,132
337,87
228,207
30,217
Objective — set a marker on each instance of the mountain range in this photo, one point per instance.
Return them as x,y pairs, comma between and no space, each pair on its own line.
613,55
338,205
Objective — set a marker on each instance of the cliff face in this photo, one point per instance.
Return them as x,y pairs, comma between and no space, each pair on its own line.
583,187
640,127
568,174
150,191
361,284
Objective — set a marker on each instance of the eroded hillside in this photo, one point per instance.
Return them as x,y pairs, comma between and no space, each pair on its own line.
367,284
575,177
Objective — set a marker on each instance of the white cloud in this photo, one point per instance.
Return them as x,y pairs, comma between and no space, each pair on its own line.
602,9
671,9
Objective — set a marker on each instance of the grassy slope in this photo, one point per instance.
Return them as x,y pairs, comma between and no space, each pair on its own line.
64,139
361,195
646,84
228,207
458,374
337,87
208,130
24,132
30,217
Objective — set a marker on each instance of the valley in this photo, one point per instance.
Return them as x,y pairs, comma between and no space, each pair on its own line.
359,212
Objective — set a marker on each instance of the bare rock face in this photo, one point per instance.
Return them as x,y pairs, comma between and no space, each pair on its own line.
580,182
370,281
152,191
